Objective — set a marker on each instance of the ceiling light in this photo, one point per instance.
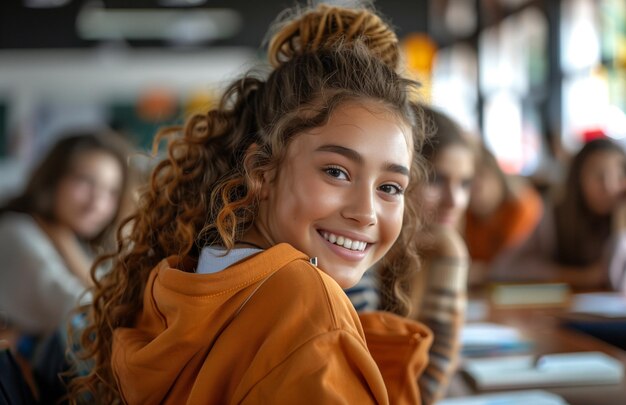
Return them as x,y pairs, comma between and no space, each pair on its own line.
44,3
180,3
197,25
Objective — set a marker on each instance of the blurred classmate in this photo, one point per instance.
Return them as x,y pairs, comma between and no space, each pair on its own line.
579,237
50,233
437,292
214,295
502,213
452,158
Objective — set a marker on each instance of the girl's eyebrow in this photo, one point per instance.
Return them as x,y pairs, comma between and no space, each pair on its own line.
357,158
396,168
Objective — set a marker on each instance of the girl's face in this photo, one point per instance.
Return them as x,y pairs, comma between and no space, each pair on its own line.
446,196
338,196
603,181
87,198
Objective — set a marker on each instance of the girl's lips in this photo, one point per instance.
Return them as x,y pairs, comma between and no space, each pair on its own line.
447,219
344,241
342,251
346,254
354,236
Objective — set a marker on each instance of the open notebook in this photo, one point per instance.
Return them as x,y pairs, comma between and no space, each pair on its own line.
549,370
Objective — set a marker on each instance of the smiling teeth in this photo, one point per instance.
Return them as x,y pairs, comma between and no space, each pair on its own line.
345,242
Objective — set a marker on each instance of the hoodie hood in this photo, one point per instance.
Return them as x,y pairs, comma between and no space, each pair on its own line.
183,314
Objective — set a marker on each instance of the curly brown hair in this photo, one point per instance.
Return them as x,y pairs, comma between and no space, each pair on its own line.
207,189
325,27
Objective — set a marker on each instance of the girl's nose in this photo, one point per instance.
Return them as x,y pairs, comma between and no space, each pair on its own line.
613,185
449,197
101,200
361,207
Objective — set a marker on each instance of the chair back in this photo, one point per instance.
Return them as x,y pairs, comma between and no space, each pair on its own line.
14,390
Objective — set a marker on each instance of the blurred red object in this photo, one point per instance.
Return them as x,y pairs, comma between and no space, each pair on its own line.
593,133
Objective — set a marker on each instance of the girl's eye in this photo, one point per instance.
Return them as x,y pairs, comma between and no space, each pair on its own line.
84,179
434,179
392,189
336,173
466,184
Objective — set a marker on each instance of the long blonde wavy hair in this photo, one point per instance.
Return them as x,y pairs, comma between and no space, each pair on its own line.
207,189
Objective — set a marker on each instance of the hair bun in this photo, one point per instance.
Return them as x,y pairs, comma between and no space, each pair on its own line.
326,27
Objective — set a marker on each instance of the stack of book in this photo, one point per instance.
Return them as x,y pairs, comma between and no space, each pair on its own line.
490,339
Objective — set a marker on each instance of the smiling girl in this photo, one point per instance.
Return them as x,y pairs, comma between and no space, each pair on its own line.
228,286
49,234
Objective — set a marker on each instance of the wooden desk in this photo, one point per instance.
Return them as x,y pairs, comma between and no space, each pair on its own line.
543,327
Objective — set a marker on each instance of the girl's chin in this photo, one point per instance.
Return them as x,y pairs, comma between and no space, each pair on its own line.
88,232
344,284
346,278
446,221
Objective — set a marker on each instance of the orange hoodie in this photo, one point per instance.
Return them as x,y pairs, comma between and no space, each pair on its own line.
269,329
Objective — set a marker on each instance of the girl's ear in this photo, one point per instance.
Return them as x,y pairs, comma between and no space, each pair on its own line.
268,182
267,176
265,187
